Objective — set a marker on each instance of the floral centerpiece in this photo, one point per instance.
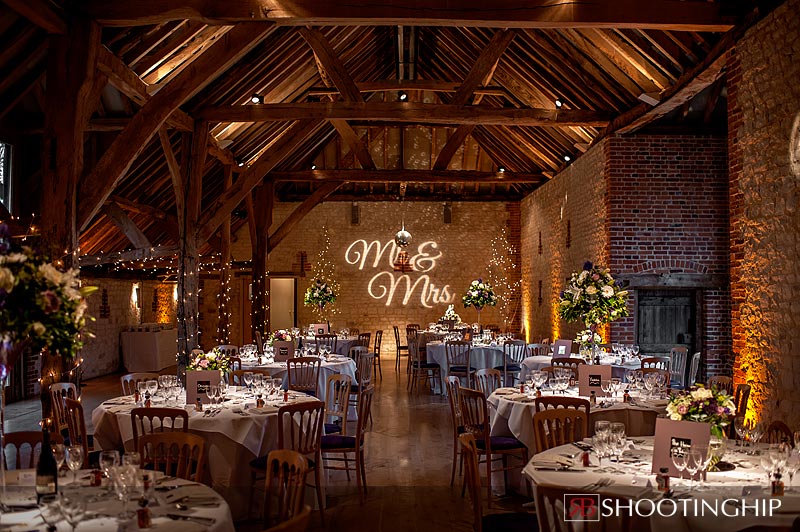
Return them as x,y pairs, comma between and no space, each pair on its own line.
213,360
281,335
450,314
319,294
479,294
703,405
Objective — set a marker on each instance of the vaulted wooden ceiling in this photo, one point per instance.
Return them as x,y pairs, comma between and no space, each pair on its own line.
498,94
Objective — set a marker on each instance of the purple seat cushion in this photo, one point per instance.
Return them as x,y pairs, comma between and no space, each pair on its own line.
332,428
501,443
335,441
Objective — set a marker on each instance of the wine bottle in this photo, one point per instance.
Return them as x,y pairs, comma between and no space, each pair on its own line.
46,470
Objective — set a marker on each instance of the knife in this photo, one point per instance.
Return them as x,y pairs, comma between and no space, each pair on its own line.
199,520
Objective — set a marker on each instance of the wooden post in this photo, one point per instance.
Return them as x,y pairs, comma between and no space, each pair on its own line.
188,256
263,197
223,302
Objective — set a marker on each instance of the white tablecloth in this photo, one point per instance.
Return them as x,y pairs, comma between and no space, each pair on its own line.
480,356
20,490
512,415
339,364
630,481
149,351
535,363
232,440
343,345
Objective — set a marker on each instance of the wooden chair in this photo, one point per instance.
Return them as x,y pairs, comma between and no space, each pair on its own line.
130,381
779,432
155,420
500,522
356,351
331,341
664,372
550,402
300,428
337,401
334,443
414,326
536,350
235,363
475,416
30,439
364,339
76,427
568,362
459,360
678,357
558,426
364,367
721,382
354,331
285,486
298,523
487,380
400,348
236,377
454,398
231,351
656,362
694,368
419,369
177,454
377,350
740,399
303,374
514,352
550,513
58,392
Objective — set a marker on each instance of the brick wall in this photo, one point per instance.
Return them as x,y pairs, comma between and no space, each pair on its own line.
668,213
763,118
571,207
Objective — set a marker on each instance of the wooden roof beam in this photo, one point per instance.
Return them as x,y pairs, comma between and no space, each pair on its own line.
44,14
387,85
653,14
126,225
407,112
116,161
407,176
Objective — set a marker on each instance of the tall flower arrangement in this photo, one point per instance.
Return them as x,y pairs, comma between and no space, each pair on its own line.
479,294
593,297
319,294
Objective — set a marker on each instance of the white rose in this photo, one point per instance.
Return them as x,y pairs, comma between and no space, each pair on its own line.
6,279
607,291
591,290
38,328
676,417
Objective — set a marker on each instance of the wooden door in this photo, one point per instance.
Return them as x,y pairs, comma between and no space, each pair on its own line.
665,319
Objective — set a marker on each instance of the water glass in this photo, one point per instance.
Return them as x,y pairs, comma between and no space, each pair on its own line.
60,454
152,387
124,479
602,427
74,460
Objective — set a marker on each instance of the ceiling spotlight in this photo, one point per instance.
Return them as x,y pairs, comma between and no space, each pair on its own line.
239,163
501,169
559,103
256,98
313,166
402,96
567,158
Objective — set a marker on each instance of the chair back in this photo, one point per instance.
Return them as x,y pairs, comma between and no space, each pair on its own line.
364,409
458,352
721,382
475,413
235,363
413,352
157,419
25,452
58,392
411,334
550,402
364,338
377,345
472,479
779,432
397,337
740,399
413,326
454,398
539,350
364,362
515,351
694,367
488,380
177,454
228,350
356,350
300,426
337,395
568,362
130,381
285,487
329,340
678,356
303,374
76,426
353,331
236,377
559,426
656,362
663,372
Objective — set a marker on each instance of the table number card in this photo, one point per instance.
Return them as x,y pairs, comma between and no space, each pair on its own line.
283,351
562,348
197,382
679,435
319,328
590,377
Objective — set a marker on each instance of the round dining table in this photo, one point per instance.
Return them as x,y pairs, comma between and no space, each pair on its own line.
343,343
331,365
537,362
234,435
733,494
177,505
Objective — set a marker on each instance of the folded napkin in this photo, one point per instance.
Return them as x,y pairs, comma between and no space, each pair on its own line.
552,461
188,492
506,391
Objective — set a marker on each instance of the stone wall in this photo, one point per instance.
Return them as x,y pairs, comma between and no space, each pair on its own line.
563,225
763,123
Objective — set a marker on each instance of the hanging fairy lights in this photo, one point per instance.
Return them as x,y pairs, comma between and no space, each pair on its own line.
325,269
504,277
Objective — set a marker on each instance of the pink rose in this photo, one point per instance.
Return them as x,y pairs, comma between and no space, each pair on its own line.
51,302
204,363
596,277
683,409
720,410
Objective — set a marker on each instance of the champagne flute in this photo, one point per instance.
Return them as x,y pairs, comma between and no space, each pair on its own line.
59,452
74,460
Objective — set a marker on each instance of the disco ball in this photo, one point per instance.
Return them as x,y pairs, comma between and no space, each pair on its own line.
402,238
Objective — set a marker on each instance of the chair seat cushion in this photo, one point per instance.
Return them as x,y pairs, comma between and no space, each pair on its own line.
334,441
461,369
332,428
427,365
510,522
501,443
510,367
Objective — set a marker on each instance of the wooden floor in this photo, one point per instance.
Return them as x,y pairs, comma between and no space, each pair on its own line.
408,461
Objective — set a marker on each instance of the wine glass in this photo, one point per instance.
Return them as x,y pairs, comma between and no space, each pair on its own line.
694,462
152,387
616,386
50,511
109,460
217,391
210,396
600,443
74,460
247,377
618,439
59,452
766,465
124,478
678,457
73,508
740,428
602,427
605,387
141,387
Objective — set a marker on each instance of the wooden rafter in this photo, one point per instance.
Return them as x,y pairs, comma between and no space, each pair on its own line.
126,225
42,13
410,176
655,14
301,211
132,140
407,112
